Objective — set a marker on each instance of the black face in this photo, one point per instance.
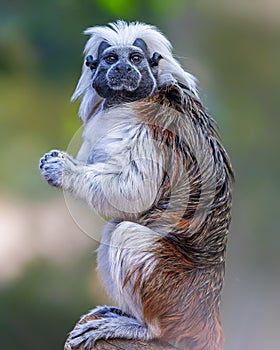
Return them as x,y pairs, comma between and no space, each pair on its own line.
123,73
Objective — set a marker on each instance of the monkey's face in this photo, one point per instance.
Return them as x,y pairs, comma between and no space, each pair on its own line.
123,73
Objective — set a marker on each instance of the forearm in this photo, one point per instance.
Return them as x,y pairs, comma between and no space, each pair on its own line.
113,190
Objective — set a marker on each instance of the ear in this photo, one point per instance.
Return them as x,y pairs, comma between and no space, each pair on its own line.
154,61
91,63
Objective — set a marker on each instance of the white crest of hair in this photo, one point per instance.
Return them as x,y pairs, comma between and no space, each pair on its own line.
122,33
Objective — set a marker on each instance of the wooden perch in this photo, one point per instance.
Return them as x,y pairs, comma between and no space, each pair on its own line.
125,344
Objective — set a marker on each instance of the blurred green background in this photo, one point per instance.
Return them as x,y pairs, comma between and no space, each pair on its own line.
47,276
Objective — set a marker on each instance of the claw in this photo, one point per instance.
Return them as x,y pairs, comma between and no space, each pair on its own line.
83,328
75,343
54,153
88,344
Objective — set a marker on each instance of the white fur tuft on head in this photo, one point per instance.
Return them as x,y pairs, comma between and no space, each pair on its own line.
122,33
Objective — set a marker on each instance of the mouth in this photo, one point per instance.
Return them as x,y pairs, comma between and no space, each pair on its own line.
123,84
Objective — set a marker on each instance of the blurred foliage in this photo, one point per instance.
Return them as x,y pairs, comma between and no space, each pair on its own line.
236,59
127,9
42,306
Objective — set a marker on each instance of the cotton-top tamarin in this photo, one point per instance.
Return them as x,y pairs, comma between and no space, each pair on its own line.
151,162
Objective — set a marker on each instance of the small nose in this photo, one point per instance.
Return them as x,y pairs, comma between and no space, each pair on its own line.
123,68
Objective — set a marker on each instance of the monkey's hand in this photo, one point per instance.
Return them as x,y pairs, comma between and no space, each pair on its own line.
166,79
105,323
54,165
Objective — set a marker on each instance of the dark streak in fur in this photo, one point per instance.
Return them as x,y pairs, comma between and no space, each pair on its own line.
193,244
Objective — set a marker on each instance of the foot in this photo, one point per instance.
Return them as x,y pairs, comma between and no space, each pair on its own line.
106,323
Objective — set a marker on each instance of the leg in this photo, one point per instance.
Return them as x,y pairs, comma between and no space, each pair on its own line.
122,254
111,326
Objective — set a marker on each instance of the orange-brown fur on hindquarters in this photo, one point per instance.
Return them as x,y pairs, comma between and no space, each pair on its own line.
176,303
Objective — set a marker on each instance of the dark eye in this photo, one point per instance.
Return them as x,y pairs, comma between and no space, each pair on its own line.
111,59
135,58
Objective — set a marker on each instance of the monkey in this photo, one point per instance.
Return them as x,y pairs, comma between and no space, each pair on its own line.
152,163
